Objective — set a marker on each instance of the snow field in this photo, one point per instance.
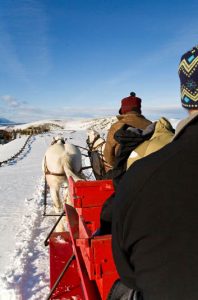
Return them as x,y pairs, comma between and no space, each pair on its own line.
24,260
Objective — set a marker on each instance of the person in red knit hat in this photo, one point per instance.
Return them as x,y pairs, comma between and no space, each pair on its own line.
130,114
131,103
154,218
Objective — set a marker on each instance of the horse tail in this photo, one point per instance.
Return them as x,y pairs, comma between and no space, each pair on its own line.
69,169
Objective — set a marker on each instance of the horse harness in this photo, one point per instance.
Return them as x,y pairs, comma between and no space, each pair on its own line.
47,171
98,149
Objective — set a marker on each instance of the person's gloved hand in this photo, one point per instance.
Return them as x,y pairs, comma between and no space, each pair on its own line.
120,292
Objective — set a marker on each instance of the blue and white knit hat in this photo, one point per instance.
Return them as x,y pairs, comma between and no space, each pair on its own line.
188,73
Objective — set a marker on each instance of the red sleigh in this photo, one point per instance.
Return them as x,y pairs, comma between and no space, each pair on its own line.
82,266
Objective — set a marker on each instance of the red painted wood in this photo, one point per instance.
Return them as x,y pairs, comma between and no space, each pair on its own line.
95,270
60,251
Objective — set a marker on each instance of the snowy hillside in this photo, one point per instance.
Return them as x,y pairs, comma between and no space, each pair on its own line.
24,260
5,121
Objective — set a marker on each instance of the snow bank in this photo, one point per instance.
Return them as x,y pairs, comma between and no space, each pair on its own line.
10,149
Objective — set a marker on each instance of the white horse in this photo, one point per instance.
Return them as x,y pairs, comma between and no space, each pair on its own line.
96,145
61,161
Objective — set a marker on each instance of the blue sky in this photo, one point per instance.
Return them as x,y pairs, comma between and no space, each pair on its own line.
79,58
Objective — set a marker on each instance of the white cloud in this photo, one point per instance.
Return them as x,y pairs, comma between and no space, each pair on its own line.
11,102
169,111
20,111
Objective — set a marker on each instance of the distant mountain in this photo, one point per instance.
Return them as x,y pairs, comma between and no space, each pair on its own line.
6,121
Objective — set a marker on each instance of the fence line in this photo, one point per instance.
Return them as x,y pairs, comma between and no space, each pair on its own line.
17,154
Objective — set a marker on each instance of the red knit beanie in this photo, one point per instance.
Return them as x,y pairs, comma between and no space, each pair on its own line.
130,103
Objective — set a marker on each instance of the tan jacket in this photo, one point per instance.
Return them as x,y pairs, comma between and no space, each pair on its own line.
183,123
133,119
163,134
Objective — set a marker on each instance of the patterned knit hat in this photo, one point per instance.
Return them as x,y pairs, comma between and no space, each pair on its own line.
188,73
130,103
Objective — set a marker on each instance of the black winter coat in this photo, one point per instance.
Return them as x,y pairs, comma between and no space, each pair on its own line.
155,221
128,138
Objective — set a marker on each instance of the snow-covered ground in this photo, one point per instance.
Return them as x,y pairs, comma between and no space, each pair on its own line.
10,149
24,260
